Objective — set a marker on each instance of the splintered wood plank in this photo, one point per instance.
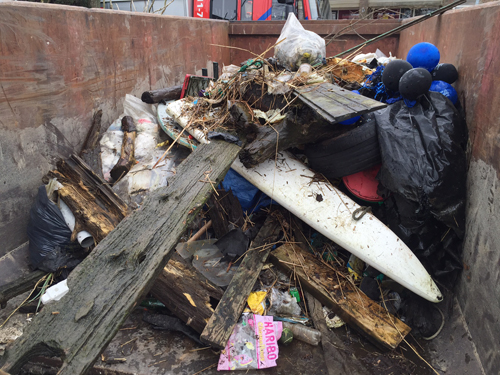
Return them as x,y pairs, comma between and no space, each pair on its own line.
186,292
228,311
351,304
96,207
334,103
106,286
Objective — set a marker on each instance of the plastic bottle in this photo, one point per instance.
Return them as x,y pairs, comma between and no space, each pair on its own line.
306,334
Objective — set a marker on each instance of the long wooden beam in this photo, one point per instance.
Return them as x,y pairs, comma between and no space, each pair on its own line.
351,304
106,286
228,311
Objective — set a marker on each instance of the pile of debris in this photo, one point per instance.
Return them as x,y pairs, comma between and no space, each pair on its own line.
283,199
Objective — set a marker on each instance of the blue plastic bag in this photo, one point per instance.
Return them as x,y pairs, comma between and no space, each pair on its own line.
251,198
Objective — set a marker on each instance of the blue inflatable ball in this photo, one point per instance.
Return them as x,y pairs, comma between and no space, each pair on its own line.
352,120
414,83
423,55
446,89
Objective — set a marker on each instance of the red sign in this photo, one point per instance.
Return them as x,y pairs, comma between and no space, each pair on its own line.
201,8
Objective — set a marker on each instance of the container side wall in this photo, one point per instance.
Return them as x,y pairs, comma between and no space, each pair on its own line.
470,39
59,64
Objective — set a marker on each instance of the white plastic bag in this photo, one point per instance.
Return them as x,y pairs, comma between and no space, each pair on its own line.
300,46
141,178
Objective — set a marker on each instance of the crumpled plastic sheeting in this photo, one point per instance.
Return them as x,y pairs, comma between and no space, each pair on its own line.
141,179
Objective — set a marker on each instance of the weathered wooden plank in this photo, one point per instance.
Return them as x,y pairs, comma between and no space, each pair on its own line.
96,207
19,286
186,292
352,305
335,104
75,168
166,94
338,359
93,134
106,286
228,311
225,209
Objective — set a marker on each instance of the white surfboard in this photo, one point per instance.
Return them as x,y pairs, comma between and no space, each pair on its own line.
329,211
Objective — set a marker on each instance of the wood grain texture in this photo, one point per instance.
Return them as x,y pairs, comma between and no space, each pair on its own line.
352,305
96,206
334,103
228,311
106,286
186,292
19,286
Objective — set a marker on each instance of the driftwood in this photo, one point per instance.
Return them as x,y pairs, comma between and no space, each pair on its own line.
299,127
93,134
225,209
228,311
19,286
96,207
127,156
308,122
187,293
352,305
338,359
156,96
106,286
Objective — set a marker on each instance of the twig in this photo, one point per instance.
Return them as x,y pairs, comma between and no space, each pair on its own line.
200,232
128,342
206,368
152,364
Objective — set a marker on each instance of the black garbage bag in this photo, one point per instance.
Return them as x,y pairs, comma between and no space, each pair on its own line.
423,156
50,245
423,177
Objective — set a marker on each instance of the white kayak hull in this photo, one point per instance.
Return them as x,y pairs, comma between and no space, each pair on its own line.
329,211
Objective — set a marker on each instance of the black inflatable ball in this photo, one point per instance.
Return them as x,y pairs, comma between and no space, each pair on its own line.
414,83
445,72
393,73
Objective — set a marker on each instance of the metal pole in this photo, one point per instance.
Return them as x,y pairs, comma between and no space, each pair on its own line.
405,26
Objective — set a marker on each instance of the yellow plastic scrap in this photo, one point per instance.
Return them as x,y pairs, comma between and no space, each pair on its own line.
256,302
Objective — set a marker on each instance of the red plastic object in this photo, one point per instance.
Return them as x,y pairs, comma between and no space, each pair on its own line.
364,184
